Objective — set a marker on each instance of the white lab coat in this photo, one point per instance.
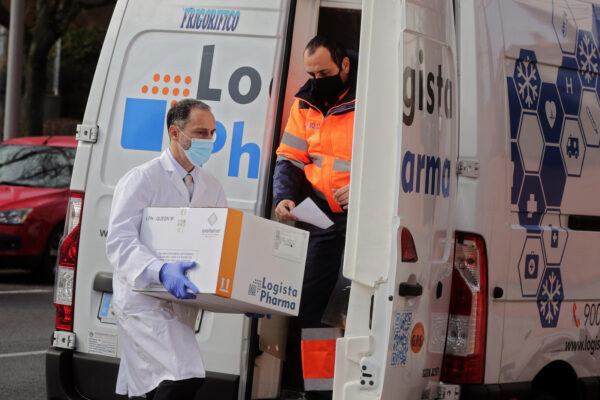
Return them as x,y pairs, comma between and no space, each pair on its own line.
157,336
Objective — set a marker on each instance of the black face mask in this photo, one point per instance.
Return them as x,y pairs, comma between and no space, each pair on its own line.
328,89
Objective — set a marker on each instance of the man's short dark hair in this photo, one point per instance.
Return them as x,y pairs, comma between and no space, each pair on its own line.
335,48
178,114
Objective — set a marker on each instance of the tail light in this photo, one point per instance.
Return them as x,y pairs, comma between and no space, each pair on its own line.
67,264
464,357
409,251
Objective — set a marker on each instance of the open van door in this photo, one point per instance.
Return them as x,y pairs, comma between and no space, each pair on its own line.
400,237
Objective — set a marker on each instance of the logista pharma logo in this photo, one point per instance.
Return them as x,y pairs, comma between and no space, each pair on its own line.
429,93
274,293
210,19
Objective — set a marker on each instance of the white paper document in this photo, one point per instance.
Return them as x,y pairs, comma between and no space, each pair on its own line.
308,211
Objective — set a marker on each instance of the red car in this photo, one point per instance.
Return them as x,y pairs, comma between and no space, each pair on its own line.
35,173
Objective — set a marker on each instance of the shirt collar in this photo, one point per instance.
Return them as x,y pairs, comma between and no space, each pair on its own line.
180,170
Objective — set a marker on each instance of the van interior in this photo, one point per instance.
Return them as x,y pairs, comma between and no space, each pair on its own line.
278,363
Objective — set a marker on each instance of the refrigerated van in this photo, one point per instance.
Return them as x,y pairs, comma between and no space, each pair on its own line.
474,221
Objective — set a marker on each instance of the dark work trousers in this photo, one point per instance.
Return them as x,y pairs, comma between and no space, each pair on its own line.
185,389
323,262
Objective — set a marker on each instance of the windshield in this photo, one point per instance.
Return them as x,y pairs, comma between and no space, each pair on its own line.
36,166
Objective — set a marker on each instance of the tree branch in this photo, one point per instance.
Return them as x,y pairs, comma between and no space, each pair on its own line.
4,16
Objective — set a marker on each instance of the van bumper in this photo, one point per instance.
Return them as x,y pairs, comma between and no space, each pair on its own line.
71,375
516,391
588,388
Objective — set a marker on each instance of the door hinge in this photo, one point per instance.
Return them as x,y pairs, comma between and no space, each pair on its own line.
87,133
468,168
64,340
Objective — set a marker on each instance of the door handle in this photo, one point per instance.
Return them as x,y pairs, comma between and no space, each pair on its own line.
410,289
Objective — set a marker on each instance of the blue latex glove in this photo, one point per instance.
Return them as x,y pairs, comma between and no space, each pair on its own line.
172,276
255,315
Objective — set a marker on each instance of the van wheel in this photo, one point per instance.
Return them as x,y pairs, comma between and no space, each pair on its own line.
556,381
46,269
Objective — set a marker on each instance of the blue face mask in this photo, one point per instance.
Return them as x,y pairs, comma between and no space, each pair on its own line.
200,149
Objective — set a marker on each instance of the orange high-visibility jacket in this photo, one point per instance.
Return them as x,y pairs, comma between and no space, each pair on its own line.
319,143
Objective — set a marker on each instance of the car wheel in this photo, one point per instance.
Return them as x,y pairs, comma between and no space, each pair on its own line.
47,267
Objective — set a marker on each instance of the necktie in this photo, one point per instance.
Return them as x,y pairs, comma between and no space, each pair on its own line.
189,184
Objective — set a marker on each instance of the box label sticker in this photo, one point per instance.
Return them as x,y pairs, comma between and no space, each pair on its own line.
288,244
104,344
177,255
401,336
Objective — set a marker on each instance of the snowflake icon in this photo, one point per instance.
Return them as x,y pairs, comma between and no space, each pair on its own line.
527,79
587,58
550,297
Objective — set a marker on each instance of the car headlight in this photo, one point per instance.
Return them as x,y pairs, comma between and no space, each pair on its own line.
14,217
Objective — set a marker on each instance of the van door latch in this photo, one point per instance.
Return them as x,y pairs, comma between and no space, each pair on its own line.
410,289
468,168
87,133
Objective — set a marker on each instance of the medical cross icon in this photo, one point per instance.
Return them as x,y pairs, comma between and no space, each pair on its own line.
531,205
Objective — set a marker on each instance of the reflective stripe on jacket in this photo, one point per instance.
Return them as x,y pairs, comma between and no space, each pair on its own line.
321,145
318,357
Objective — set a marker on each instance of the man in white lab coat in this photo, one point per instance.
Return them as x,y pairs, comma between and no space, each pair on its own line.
160,356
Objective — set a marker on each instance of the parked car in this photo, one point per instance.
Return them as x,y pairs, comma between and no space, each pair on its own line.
35,173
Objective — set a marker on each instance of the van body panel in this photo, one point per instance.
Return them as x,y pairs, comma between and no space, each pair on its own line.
532,56
402,177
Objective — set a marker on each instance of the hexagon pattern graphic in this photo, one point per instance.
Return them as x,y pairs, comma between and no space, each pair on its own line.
550,112
553,126
517,173
514,107
586,55
531,142
569,86
531,266
554,238
550,296
531,202
564,25
553,176
572,147
589,116
527,79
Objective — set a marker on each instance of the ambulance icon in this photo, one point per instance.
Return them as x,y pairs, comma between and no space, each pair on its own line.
573,147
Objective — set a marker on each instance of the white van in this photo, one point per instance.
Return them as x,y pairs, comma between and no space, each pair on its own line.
473,213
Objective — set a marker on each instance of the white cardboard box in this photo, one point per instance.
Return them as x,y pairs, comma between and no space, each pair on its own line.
244,263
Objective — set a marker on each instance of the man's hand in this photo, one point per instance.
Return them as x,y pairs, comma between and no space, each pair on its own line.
282,211
172,276
342,195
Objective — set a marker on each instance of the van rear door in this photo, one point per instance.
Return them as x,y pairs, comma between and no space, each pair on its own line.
403,188
229,55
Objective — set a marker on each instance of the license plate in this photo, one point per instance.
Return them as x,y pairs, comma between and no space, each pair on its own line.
105,313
